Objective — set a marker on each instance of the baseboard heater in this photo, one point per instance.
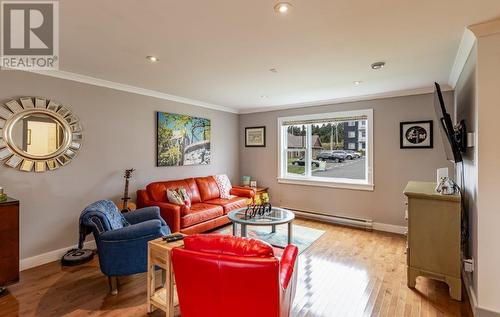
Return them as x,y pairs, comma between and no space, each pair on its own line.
341,220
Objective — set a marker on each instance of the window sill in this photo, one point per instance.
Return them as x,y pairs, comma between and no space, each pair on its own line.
319,183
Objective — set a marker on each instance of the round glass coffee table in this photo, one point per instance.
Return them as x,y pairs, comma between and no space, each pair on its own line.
277,216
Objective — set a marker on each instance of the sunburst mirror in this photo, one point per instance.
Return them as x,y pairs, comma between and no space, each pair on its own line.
37,134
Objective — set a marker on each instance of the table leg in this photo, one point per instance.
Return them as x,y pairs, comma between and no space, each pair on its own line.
150,281
243,230
273,229
170,288
235,228
290,233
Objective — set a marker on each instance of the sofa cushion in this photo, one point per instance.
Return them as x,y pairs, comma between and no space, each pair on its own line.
208,188
193,191
200,212
158,190
229,204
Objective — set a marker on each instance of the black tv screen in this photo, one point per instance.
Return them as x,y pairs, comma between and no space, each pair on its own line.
447,131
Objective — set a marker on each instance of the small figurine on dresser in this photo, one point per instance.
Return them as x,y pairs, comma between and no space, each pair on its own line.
446,186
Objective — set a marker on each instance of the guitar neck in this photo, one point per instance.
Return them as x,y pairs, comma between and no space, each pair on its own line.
125,192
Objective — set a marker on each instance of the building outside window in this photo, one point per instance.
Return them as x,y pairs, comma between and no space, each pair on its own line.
311,147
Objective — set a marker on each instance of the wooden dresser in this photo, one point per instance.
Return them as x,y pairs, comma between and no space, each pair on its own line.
434,236
9,242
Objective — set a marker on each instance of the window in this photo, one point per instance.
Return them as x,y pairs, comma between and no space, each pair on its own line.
312,150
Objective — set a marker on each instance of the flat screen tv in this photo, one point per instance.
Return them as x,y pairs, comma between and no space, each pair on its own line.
450,142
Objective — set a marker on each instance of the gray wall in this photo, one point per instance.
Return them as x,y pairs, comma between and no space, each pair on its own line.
393,167
119,133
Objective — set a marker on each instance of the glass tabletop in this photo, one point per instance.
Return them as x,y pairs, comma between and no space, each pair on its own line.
275,216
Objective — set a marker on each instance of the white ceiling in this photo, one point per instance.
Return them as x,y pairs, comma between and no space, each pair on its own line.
220,51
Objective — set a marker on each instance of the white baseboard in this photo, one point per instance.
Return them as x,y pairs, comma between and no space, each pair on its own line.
476,310
51,256
389,228
347,221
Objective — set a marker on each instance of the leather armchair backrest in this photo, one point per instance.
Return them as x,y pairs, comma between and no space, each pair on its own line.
228,245
208,188
158,191
220,285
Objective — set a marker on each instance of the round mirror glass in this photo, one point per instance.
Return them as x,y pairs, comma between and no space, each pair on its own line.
38,134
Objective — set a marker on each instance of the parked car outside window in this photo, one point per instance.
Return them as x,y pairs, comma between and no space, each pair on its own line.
335,155
351,155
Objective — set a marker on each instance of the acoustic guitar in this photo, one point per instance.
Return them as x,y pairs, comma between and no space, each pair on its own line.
126,205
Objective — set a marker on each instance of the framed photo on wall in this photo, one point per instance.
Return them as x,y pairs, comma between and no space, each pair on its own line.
416,134
255,137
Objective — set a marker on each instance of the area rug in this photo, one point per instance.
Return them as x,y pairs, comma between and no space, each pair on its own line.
303,237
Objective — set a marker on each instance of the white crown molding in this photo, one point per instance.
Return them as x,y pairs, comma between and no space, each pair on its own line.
486,28
389,94
128,88
464,50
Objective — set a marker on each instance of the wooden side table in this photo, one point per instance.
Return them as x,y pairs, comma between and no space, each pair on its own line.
165,296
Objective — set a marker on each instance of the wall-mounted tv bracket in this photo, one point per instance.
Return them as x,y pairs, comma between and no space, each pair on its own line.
461,135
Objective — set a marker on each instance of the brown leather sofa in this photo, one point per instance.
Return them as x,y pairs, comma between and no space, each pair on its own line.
207,210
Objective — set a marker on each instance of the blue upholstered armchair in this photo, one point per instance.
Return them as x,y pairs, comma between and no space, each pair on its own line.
122,239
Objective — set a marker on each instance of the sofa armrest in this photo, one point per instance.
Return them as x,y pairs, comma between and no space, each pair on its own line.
144,214
137,231
287,264
242,191
170,212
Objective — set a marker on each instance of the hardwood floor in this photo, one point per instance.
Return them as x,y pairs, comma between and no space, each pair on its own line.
347,272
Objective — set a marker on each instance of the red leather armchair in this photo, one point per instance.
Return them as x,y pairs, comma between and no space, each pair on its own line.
226,276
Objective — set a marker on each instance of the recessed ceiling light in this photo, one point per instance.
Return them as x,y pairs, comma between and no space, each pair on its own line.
378,65
357,82
282,7
152,58
264,96
273,70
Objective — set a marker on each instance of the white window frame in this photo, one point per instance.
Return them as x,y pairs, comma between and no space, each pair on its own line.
308,179
351,134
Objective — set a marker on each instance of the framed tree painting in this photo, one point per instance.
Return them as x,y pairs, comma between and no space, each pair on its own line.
255,137
182,140
416,134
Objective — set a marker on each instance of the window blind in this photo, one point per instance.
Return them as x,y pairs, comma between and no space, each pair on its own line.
323,120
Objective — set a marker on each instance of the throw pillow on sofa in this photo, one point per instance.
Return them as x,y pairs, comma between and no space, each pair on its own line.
224,185
184,195
174,197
